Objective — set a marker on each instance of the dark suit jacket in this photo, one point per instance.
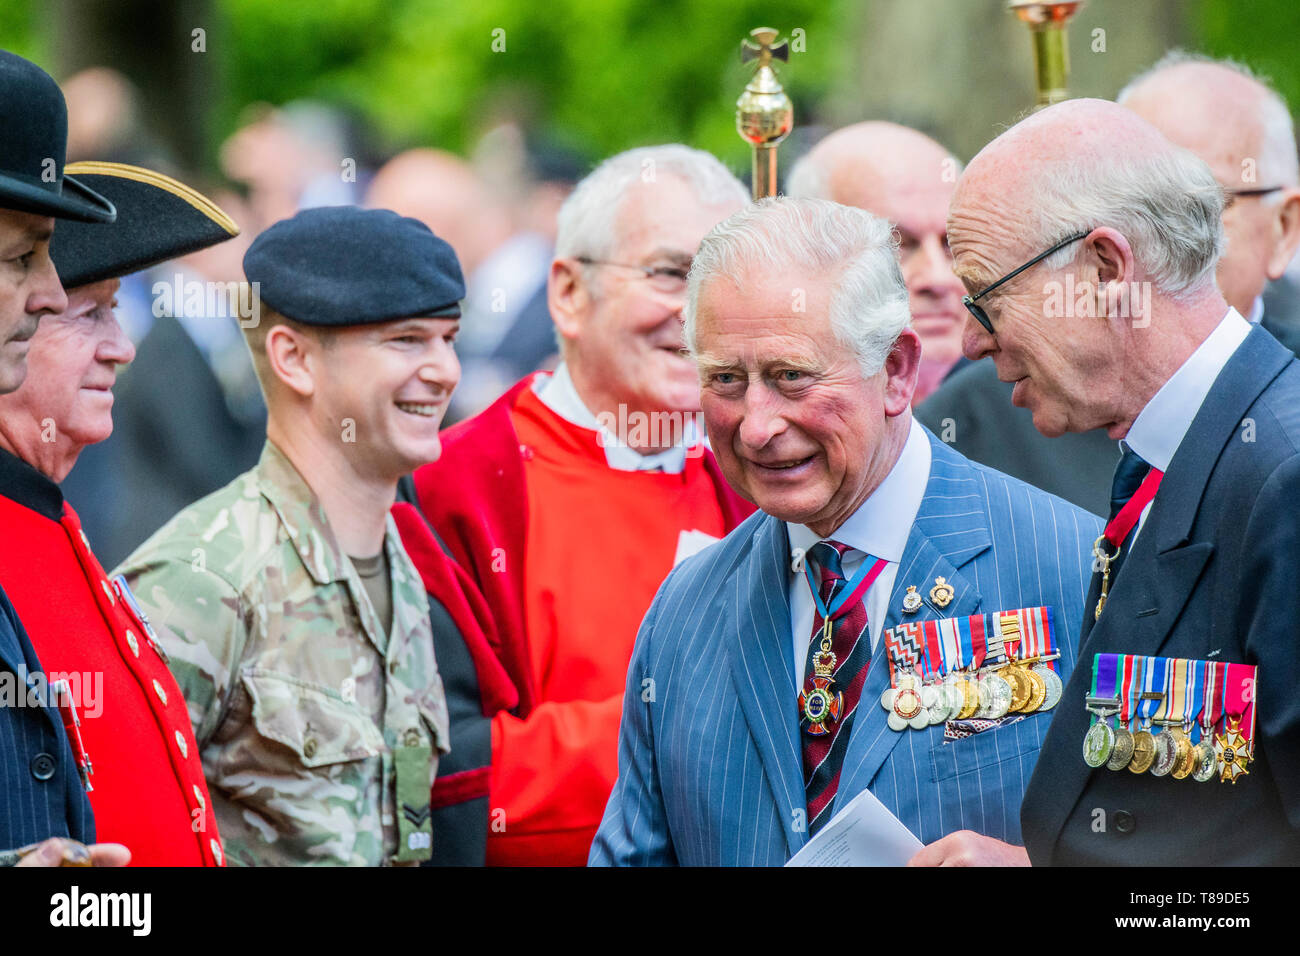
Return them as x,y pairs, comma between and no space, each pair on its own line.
972,412
40,791
1212,575
177,439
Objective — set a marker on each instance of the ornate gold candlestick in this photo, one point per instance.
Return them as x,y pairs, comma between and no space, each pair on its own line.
764,115
1047,20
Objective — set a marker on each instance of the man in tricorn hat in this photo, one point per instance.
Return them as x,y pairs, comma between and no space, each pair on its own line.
40,794
302,638
135,748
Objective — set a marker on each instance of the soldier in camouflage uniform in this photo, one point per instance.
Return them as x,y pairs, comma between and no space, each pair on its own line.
315,696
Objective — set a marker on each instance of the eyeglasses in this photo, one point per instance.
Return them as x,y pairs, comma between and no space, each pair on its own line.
666,279
1234,194
980,315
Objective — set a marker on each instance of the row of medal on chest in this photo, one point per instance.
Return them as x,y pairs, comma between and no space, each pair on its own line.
1200,698
989,693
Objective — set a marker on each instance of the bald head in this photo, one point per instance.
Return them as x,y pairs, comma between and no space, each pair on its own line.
864,164
907,178
1091,332
1223,115
445,193
1074,167
1242,130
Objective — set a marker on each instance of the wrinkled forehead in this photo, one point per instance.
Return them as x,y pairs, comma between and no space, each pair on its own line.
761,316
986,231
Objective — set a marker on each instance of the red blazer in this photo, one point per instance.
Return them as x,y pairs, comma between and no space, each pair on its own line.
148,790
474,495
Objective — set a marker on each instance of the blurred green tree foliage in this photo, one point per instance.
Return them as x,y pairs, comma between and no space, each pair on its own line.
609,73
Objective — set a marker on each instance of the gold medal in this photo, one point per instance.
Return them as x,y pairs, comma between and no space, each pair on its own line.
1144,752
1020,687
1183,763
970,697
1037,692
1232,751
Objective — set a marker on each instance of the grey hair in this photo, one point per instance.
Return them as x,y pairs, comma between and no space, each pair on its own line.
1169,206
1277,145
587,220
868,301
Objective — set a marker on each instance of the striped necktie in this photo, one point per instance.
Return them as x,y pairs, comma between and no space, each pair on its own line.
823,754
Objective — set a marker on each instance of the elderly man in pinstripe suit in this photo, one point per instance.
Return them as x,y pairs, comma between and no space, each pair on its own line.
798,320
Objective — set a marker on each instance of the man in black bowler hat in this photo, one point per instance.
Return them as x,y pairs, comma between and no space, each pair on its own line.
41,796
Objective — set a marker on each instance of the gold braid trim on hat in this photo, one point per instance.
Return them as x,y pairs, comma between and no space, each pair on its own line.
141,175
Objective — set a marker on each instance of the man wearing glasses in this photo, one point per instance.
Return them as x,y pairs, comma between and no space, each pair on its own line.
1197,561
572,497
1242,130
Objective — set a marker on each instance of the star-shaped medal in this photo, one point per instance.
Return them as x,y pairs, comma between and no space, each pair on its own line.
1233,753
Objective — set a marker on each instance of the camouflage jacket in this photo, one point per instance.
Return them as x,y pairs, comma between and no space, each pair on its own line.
318,732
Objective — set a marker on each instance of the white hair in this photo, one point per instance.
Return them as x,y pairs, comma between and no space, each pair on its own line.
868,301
1168,205
1277,145
587,221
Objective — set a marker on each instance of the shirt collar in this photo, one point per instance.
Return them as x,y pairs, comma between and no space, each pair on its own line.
882,524
558,393
302,515
1160,426
23,484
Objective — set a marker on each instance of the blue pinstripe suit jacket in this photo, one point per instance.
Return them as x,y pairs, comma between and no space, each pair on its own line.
32,809
710,767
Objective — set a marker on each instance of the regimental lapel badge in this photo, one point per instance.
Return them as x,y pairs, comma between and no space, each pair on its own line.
942,593
911,600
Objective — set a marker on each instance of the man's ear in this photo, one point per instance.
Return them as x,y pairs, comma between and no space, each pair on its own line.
902,366
568,296
1110,254
1286,233
293,359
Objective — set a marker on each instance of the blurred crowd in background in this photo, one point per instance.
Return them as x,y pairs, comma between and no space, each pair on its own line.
189,415
477,140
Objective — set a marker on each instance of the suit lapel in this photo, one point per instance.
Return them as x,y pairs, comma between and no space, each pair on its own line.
762,670
951,528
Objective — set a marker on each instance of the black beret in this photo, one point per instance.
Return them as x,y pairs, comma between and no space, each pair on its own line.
343,265
158,219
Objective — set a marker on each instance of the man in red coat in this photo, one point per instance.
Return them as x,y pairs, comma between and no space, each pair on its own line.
134,745
570,499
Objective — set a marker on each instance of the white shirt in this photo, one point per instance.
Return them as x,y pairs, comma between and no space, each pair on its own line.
1161,426
880,527
557,392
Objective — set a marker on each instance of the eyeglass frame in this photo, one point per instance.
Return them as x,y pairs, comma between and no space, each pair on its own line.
978,312
649,272
1234,194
